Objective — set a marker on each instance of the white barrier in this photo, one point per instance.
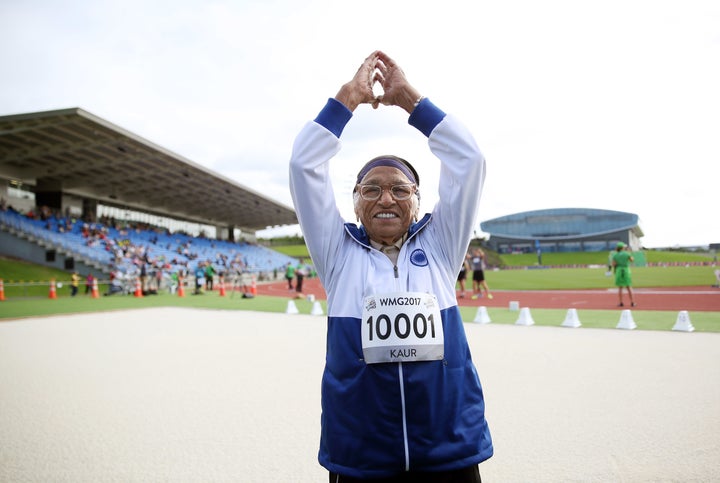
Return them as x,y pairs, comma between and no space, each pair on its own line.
482,316
626,321
525,318
316,309
571,319
292,308
683,323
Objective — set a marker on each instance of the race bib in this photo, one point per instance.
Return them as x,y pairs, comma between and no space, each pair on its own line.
402,327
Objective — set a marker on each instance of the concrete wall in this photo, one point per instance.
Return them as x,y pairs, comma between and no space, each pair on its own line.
12,246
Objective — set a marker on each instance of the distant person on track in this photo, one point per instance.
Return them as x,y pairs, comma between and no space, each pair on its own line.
290,275
623,277
89,283
74,283
299,277
209,276
611,255
478,278
401,398
462,275
199,278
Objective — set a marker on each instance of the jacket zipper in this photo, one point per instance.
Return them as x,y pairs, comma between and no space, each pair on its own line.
406,444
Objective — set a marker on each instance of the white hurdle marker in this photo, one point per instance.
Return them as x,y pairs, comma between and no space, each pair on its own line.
482,316
683,323
292,308
571,319
525,318
626,321
316,309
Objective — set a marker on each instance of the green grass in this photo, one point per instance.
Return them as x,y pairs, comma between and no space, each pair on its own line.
589,278
556,259
600,258
601,319
297,251
33,301
607,319
64,304
16,270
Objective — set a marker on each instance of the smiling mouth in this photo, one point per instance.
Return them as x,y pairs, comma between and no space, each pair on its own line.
386,216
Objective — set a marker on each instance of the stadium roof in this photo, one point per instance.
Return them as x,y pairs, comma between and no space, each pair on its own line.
92,158
561,224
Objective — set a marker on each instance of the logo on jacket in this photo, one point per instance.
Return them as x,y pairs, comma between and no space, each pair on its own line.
418,258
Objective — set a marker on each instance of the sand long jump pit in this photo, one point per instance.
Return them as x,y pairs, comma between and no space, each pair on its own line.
201,395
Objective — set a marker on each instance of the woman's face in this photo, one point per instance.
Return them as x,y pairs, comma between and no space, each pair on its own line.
386,219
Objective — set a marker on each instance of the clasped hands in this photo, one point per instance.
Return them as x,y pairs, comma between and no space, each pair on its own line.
381,69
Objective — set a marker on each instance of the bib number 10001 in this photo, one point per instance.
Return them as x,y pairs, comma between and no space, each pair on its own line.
402,327
383,327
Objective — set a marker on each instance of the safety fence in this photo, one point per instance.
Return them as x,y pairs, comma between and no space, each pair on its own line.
132,286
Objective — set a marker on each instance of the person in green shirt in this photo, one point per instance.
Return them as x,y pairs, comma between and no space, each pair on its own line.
623,278
290,275
209,276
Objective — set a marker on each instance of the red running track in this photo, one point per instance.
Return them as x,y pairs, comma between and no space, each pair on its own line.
696,299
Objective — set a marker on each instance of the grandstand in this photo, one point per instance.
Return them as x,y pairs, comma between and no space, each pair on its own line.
59,169
97,245
563,230
72,161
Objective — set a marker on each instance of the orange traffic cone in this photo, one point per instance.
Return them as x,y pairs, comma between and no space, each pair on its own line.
222,288
2,290
138,288
95,293
253,286
53,291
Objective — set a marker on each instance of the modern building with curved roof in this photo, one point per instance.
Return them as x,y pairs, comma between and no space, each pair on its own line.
563,230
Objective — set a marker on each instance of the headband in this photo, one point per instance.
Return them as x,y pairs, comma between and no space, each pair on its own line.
391,162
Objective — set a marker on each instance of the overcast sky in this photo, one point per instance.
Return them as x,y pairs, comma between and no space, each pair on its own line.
610,104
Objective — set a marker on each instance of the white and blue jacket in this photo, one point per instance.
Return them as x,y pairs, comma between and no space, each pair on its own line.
382,419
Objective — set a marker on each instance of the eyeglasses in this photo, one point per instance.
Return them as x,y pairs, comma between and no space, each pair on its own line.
399,192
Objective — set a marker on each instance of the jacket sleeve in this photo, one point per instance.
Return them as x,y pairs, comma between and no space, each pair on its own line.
462,175
310,186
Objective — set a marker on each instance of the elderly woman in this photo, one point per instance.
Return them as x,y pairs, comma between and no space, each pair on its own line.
401,399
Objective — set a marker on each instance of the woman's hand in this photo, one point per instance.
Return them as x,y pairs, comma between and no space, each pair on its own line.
360,89
378,67
397,89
